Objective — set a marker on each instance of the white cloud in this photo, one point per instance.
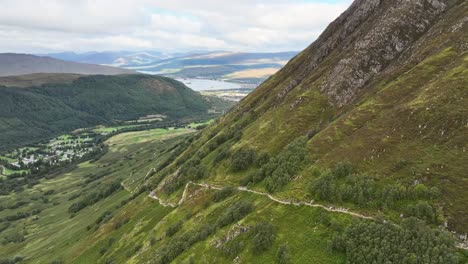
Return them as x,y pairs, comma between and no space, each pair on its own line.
85,25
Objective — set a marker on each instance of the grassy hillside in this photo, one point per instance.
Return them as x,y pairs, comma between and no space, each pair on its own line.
352,153
356,122
52,232
32,113
402,126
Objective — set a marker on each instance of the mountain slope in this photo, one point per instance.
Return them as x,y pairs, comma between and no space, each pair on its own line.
353,153
384,88
21,64
36,112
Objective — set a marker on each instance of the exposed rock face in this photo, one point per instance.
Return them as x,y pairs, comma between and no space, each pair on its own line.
368,36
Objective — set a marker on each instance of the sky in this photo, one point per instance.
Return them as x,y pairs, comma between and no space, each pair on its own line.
39,26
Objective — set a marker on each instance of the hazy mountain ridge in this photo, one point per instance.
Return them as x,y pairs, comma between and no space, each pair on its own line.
243,67
21,64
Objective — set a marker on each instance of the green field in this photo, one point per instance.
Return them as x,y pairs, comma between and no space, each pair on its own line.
6,171
113,128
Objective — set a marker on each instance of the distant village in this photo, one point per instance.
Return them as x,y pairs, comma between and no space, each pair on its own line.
63,149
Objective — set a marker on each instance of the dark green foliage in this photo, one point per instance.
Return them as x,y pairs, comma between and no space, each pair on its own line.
340,185
280,169
234,213
14,237
283,256
12,260
94,197
423,210
263,237
413,242
223,194
243,158
222,154
232,248
343,169
174,228
34,113
263,159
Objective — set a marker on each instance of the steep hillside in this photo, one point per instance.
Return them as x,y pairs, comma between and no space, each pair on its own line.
69,102
384,88
380,96
21,64
355,152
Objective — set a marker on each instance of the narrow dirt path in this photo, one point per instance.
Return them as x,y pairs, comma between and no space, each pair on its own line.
269,196
152,195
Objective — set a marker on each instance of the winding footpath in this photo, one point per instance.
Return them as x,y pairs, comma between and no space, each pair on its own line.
153,195
269,196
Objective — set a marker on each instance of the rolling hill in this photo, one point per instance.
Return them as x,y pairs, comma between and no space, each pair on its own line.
39,106
21,64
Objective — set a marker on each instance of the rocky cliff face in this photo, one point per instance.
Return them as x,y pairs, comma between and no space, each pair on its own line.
368,37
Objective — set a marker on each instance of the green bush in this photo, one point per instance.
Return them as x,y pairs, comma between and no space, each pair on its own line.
174,228
283,255
243,158
232,248
263,237
234,213
223,194
280,170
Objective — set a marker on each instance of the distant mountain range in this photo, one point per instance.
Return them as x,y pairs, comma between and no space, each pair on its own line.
112,58
239,67
12,64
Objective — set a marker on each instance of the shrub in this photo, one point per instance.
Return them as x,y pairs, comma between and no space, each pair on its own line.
174,228
343,169
283,256
223,194
280,170
232,248
223,154
243,158
234,213
263,237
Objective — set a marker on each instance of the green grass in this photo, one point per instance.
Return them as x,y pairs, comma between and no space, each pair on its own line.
7,159
6,171
54,234
113,128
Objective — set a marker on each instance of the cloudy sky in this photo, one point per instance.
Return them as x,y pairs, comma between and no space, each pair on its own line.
34,26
